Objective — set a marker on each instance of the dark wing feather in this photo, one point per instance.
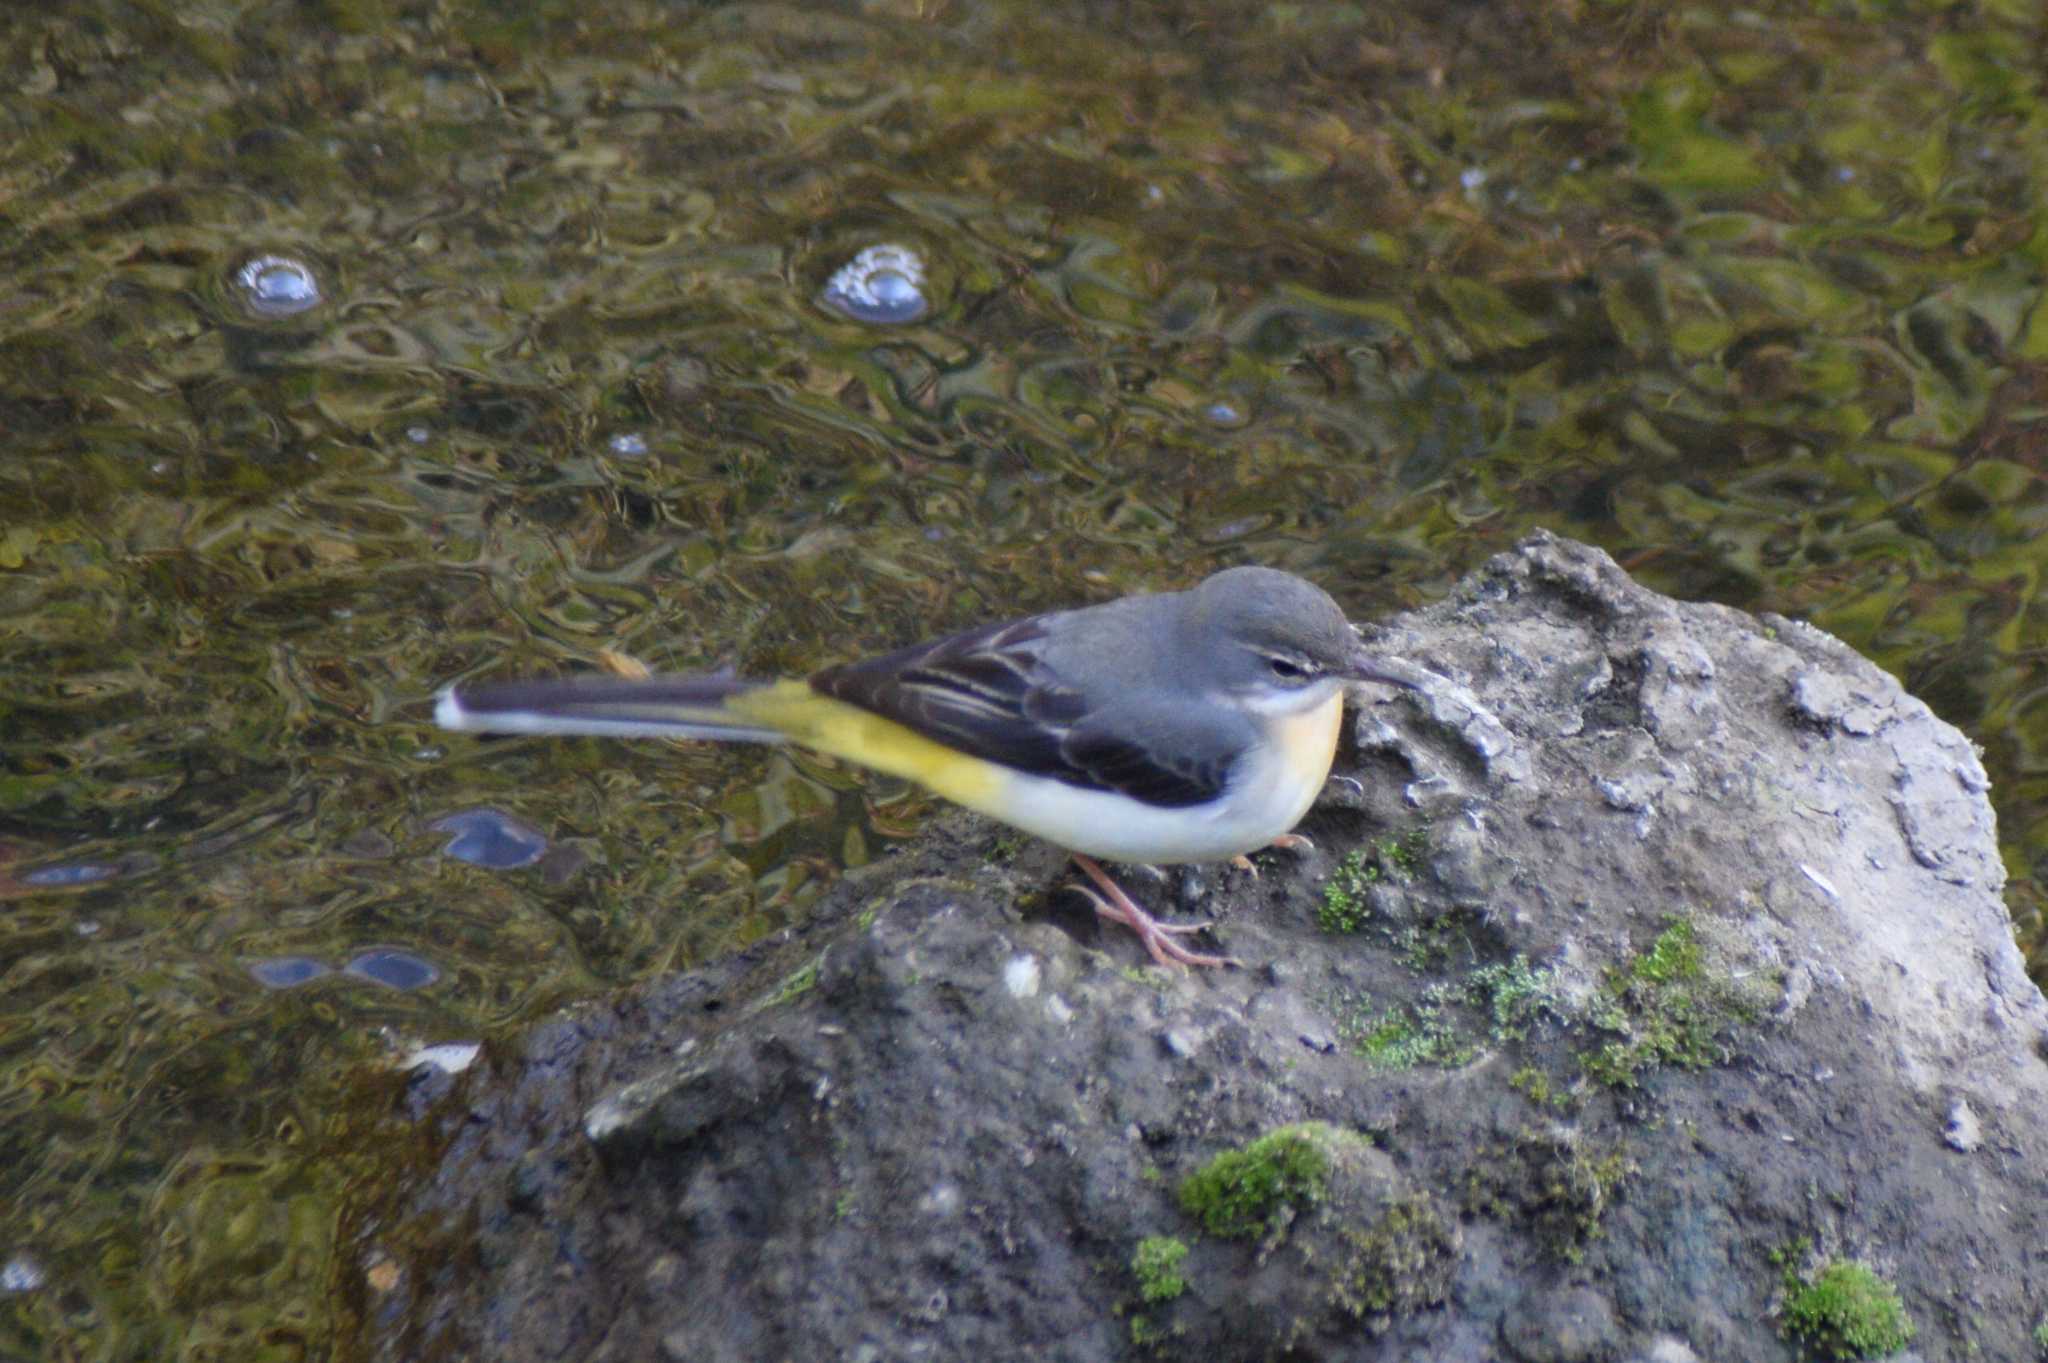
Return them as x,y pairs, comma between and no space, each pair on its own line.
989,692
1136,768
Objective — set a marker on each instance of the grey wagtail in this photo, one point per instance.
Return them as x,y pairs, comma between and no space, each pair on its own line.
1185,726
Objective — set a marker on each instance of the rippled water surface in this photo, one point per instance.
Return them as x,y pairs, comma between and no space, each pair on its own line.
350,348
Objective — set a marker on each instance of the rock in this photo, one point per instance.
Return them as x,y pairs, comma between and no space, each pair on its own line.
1553,1325
1963,1131
1679,943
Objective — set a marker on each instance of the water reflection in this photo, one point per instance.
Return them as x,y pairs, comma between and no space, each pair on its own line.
390,967
21,1273
277,286
287,972
393,968
882,285
491,838
70,874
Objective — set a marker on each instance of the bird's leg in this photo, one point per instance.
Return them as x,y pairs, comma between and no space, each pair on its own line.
1286,842
1119,907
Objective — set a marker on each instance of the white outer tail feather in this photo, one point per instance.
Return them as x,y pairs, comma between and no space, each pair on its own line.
614,708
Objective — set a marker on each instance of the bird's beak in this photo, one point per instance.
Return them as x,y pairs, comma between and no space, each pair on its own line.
1363,666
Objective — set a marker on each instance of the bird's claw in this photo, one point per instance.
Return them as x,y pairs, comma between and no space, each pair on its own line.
1118,907
1286,842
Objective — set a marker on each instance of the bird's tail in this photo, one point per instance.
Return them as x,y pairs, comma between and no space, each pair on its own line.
614,707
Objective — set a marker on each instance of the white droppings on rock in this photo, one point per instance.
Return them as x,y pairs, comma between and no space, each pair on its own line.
1021,975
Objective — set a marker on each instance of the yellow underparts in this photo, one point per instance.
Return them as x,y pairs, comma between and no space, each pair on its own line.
831,726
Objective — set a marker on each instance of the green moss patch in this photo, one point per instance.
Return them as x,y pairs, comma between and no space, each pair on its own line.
1404,1038
794,986
1663,1008
1339,1233
1556,1185
1399,1263
1845,1310
1253,1189
1436,1029
1344,907
1156,1266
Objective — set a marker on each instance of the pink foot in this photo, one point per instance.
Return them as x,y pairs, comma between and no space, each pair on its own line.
1286,842
1119,907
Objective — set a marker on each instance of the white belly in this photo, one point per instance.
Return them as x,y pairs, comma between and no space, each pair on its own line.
1268,797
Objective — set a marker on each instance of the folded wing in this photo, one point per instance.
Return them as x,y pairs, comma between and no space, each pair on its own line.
989,692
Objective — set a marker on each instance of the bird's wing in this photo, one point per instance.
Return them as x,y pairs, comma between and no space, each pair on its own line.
989,692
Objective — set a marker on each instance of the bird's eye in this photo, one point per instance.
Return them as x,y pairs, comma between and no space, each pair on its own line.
1287,669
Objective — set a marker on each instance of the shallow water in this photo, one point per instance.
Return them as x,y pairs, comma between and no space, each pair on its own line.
537,366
